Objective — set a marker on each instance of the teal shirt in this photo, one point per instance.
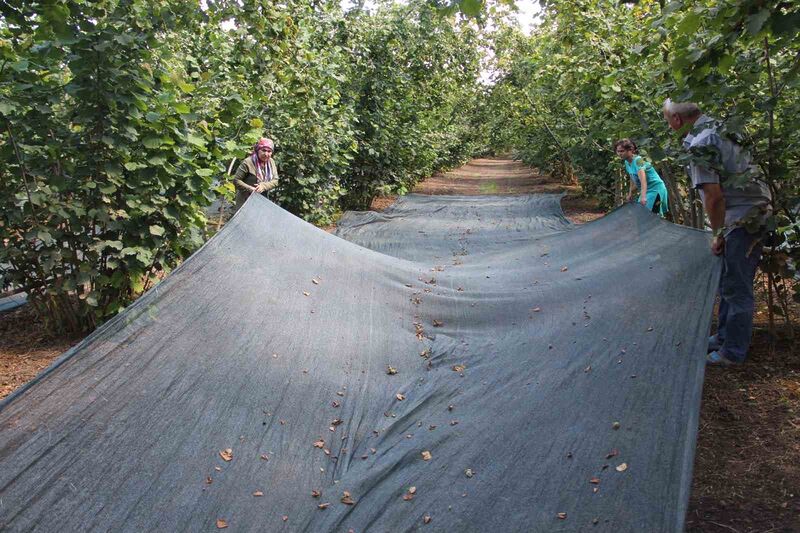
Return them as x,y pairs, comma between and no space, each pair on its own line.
653,179
655,185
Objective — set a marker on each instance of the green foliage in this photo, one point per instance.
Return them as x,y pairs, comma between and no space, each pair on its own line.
121,120
97,155
599,70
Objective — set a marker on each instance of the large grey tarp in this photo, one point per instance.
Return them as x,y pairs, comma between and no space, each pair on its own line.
486,366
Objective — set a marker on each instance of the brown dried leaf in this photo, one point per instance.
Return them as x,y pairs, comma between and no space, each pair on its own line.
324,506
209,480
536,309
408,497
399,396
319,443
347,499
226,454
595,481
412,490
437,324
426,455
459,368
391,370
284,518
564,268
336,421
222,523
306,293
335,403
265,457
258,493
562,516
316,494
426,519
622,467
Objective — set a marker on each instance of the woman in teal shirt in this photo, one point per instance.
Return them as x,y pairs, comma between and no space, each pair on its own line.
644,177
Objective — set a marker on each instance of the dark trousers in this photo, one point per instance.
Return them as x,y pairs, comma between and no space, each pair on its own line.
736,302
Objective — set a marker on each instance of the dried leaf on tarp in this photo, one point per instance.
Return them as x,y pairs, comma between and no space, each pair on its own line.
324,506
459,368
315,281
306,293
622,467
595,481
319,443
426,519
562,516
391,370
426,455
347,499
469,473
564,268
222,523
316,494
437,324
226,454
258,493
400,396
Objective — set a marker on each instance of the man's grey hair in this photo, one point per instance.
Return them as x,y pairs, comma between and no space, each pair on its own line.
682,109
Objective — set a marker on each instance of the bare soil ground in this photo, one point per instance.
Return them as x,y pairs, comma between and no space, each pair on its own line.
747,465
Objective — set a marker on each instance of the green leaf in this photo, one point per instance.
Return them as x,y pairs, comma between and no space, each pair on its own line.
183,109
756,22
689,24
196,140
471,8
157,230
152,142
256,123
153,116
204,172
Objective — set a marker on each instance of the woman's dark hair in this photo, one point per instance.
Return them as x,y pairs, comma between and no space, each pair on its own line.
627,144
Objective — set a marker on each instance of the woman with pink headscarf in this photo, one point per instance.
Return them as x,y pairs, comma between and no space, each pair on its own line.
257,173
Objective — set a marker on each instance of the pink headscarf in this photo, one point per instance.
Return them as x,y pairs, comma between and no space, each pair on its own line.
262,173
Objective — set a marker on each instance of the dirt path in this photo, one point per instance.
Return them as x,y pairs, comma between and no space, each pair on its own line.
503,176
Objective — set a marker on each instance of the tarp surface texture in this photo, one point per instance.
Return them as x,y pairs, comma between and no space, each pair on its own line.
485,366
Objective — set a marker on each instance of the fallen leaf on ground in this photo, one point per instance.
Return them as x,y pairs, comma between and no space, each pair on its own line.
324,505
399,396
347,499
391,370
221,524
426,455
595,480
623,467
319,443
258,493
315,494
459,368
226,454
